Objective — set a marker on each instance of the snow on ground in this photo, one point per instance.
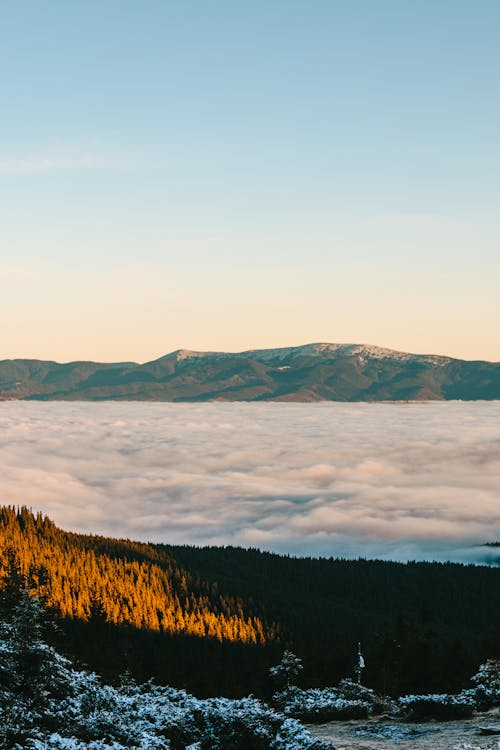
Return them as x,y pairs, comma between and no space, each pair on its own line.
384,734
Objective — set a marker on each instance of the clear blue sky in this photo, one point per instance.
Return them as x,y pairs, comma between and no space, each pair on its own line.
228,175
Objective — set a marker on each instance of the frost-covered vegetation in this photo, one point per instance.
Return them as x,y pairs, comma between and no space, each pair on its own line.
484,695
486,691
48,704
45,703
320,705
351,700
346,701
436,706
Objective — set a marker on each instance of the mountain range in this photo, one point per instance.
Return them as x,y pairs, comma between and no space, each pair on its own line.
313,372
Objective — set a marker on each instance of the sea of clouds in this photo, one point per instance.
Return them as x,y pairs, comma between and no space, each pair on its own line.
407,481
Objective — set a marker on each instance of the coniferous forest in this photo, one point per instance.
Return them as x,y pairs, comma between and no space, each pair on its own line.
213,620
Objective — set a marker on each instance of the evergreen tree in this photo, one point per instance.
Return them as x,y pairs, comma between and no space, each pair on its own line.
38,671
287,671
32,675
13,584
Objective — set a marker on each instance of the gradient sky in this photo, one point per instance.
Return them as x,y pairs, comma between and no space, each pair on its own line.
229,175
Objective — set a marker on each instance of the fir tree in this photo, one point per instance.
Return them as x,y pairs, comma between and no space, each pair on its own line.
38,672
287,671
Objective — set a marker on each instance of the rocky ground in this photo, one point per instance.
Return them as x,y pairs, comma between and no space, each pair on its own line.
384,734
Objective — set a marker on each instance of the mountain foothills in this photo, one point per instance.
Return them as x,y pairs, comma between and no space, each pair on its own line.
213,620
314,372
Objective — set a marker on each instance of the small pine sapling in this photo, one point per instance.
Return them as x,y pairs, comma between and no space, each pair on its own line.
287,671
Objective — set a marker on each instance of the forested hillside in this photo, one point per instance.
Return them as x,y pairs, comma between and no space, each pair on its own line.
127,582
214,619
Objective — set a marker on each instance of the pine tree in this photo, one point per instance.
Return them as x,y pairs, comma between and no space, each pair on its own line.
287,671
38,672
33,677
13,584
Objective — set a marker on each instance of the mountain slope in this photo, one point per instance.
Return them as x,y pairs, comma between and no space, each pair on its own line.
314,372
214,619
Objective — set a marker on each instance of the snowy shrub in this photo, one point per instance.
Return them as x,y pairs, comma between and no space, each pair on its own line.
436,706
353,691
45,704
348,700
319,705
293,736
246,724
56,742
152,717
234,725
487,685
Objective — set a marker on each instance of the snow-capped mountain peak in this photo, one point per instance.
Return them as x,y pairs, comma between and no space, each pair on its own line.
328,350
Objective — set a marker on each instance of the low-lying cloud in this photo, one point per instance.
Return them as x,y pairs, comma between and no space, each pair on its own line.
417,481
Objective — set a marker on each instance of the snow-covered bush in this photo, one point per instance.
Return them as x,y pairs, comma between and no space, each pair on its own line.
247,724
353,691
436,706
45,704
100,717
152,717
484,695
487,685
348,700
319,705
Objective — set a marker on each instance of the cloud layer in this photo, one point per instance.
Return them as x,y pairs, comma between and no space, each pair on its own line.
400,481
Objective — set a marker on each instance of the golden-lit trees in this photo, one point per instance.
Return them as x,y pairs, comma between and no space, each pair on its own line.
130,583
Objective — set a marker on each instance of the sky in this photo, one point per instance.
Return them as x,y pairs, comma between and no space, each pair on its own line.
412,481
234,175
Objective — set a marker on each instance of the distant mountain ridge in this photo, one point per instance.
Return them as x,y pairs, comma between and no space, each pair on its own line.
329,350
311,372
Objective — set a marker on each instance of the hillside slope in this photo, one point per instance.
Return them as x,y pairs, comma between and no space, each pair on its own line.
314,372
164,611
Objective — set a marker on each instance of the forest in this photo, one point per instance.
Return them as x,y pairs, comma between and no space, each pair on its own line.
213,620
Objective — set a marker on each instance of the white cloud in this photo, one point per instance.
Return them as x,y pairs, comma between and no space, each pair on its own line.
401,481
